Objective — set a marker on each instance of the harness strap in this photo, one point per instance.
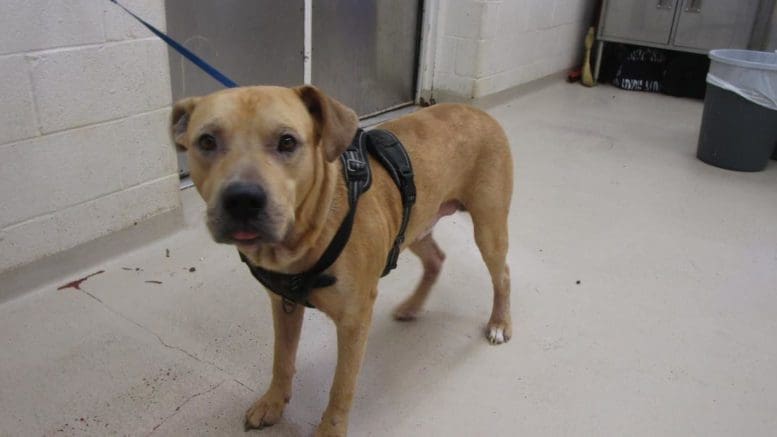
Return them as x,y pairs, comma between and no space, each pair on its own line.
296,287
388,150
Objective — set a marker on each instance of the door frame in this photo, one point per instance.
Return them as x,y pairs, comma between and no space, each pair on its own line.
429,37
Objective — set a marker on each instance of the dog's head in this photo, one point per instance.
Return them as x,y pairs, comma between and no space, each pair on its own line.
254,153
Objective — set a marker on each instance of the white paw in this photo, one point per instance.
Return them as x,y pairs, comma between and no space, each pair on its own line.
497,335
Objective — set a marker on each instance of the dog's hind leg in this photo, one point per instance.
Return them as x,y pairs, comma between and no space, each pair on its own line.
431,258
491,238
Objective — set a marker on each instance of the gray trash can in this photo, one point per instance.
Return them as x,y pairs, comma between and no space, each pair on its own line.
739,125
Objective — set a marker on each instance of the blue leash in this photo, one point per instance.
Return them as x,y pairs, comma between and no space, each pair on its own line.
186,53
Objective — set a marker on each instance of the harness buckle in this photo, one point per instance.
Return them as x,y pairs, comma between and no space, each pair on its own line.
295,283
356,168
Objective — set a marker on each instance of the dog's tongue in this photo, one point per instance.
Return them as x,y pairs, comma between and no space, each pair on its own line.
242,235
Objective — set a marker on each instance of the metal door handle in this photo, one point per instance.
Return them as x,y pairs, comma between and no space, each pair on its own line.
664,4
693,6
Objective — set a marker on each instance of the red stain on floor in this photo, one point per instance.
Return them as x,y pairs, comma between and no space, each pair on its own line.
77,283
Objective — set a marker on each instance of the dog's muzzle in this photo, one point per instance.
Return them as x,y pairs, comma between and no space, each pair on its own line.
243,216
243,202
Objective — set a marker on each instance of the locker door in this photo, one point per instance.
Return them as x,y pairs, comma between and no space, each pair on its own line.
715,24
365,52
639,20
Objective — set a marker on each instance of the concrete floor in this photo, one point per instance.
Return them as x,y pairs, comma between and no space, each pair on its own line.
670,331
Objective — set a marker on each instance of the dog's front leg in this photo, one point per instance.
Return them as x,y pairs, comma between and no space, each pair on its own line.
287,324
352,330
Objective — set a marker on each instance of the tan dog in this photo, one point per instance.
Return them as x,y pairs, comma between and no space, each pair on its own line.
265,160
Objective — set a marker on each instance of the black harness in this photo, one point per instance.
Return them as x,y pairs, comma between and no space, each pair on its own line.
386,148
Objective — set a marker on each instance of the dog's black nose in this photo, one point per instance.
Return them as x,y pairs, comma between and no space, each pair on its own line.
243,201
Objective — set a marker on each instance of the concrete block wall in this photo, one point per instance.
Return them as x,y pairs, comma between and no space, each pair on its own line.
84,149
485,46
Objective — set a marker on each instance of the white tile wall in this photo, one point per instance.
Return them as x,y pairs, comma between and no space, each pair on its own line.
84,105
488,46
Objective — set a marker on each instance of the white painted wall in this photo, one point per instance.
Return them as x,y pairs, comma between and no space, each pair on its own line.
483,47
84,102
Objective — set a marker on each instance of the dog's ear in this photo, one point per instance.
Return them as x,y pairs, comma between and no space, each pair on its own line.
336,124
179,121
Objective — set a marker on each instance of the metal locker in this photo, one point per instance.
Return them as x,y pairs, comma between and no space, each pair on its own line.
638,20
714,24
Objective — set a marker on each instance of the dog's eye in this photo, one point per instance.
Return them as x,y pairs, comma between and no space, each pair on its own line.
207,143
287,143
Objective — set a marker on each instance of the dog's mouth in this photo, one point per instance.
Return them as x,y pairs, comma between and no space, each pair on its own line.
246,226
240,233
246,238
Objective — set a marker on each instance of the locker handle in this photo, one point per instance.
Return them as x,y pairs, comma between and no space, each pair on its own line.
664,4
693,6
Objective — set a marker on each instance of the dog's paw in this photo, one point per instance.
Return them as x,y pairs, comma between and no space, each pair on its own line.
405,313
331,427
265,412
498,332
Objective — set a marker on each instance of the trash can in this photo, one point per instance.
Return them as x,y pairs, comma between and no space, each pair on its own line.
739,125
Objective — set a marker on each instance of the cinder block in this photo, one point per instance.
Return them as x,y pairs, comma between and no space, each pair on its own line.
547,43
56,171
53,171
528,48
463,18
76,87
67,228
569,37
570,11
496,55
17,115
42,24
541,13
489,21
512,18
121,26
466,57
143,148
445,54
500,82
451,87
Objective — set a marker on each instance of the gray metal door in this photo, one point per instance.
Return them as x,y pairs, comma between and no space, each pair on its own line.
639,20
365,52
715,24
251,41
